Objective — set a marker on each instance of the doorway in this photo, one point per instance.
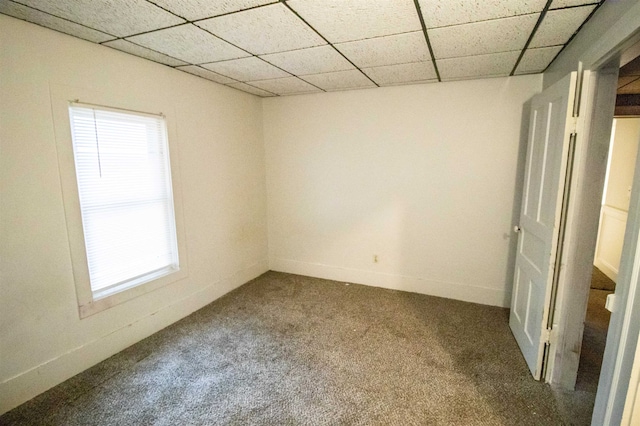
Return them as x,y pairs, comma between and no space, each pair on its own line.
623,150
599,391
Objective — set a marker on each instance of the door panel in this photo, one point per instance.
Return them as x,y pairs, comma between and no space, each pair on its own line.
547,153
532,248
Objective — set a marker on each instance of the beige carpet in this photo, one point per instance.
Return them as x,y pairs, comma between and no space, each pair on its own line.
290,350
577,406
594,341
600,281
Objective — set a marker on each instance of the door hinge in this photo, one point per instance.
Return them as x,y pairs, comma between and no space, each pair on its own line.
574,125
548,336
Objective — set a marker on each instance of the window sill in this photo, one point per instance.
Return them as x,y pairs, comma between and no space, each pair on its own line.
105,299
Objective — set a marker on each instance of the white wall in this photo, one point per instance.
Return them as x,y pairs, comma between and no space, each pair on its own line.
424,177
222,178
613,216
626,133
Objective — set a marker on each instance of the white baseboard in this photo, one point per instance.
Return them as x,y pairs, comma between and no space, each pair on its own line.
449,290
25,386
607,269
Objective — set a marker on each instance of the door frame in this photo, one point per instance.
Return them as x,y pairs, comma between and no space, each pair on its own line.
583,216
594,131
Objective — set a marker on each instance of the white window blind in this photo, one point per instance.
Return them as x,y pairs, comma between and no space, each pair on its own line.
126,202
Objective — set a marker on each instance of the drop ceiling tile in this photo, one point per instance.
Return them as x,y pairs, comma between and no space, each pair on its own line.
315,60
143,52
247,69
340,80
623,81
492,65
32,15
118,17
341,21
408,83
568,3
442,13
401,73
388,50
632,88
478,38
199,9
559,25
209,75
249,30
285,86
250,89
537,59
189,43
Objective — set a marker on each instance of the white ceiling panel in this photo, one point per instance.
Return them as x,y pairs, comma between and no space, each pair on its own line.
340,20
389,50
442,13
492,65
28,14
118,17
249,29
410,83
247,69
498,35
285,86
189,43
143,52
402,73
315,60
200,9
209,75
568,3
250,89
559,25
340,80
537,59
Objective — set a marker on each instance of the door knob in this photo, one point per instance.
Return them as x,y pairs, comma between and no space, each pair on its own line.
516,228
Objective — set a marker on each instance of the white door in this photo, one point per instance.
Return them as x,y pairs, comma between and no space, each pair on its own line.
550,128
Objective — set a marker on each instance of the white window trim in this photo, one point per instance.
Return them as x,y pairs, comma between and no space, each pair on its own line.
88,303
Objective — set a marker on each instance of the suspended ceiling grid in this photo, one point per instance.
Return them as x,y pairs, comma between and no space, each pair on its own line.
275,48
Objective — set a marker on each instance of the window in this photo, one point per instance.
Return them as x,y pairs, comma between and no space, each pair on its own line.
125,193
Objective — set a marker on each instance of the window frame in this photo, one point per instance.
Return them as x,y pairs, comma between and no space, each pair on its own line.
62,97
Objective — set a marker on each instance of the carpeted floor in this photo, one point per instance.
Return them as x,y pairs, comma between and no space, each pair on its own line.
291,350
594,340
578,405
600,281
